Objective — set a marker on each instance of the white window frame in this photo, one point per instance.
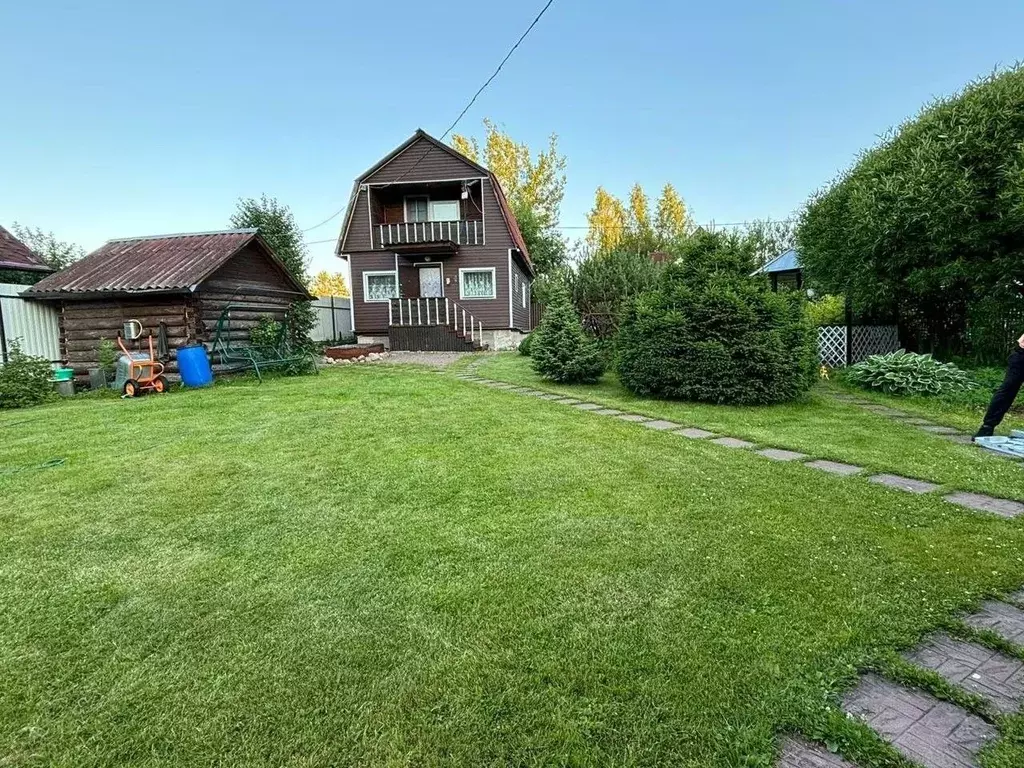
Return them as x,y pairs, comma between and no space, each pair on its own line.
524,285
376,273
458,209
405,207
494,283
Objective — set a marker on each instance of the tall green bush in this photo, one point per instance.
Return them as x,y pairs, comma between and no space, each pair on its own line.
560,349
24,379
709,332
931,220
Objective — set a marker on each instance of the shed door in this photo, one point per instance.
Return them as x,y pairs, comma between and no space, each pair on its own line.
430,282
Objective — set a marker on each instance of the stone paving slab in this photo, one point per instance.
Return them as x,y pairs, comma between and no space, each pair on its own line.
997,678
566,400
693,433
798,753
587,406
549,396
938,430
660,424
607,412
903,483
1018,597
1004,619
778,454
835,467
920,422
982,503
934,733
884,410
634,417
732,442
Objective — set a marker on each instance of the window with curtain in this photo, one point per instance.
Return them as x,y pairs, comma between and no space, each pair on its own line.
416,208
380,286
477,284
444,210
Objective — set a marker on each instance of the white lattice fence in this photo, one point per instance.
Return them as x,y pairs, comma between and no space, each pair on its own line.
866,340
832,345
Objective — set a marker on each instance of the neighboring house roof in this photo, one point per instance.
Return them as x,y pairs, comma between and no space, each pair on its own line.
787,261
503,204
14,254
156,264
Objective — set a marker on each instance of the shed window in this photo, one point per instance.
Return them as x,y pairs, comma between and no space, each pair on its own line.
476,284
525,286
380,286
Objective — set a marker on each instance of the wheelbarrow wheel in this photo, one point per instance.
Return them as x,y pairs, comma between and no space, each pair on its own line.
130,388
160,385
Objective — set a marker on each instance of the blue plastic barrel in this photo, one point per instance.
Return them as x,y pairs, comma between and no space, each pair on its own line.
194,366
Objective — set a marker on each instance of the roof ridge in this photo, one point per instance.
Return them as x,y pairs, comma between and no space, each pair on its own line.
245,231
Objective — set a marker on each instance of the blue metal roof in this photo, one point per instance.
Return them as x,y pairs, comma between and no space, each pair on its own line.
787,261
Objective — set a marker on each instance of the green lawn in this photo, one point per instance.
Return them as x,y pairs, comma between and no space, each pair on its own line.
817,425
383,566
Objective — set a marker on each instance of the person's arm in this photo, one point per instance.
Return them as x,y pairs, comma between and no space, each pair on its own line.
1020,342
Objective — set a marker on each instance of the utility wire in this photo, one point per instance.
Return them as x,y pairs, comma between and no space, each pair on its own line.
462,114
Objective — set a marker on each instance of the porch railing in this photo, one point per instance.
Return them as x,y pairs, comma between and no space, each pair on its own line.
460,232
435,311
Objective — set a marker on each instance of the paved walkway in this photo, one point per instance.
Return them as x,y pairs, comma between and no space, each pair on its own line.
926,730
947,433
974,501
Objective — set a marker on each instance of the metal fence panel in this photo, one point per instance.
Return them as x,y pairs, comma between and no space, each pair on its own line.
333,318
34,325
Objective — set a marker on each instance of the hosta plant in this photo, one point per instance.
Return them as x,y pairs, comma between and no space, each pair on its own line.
907,373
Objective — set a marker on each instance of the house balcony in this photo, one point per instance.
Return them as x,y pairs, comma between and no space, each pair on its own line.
440,233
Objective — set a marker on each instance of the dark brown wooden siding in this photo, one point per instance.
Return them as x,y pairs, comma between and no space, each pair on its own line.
371,319
250,271
358,236
520,289
422,161
84,324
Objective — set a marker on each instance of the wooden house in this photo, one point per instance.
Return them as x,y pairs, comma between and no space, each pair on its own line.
176,286
436,257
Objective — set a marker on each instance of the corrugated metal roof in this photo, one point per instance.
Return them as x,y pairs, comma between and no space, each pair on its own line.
148,264
14,254
787,261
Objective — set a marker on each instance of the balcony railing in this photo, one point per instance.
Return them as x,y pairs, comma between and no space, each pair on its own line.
462,232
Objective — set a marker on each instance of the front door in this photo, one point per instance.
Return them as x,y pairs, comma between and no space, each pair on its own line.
430,282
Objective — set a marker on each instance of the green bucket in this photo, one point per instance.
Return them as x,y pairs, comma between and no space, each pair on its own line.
63,374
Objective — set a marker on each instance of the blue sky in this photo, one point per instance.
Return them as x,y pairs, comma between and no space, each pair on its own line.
143,118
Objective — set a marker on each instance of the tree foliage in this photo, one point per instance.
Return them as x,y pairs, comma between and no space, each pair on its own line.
767,238
672,221
534,184
559,348
276,225
612,224
326,283
602,283
710,332
57,253
931,220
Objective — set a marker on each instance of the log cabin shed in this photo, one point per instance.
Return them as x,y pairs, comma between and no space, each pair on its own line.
177,286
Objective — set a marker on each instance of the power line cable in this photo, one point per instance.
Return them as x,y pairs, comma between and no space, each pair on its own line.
462,114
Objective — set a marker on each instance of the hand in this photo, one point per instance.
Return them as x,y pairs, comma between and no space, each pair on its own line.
1020,342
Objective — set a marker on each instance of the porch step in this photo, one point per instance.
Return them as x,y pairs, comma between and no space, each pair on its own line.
431,338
